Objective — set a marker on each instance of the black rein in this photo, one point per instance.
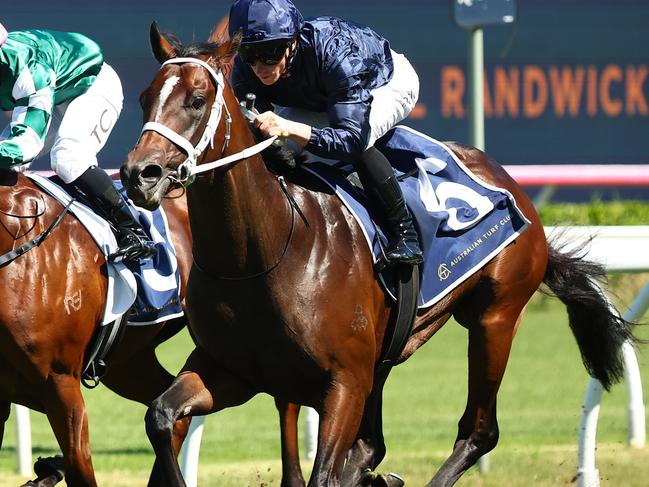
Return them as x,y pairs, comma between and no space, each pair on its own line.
24,248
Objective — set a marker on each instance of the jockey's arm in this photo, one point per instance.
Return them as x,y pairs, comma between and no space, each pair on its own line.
23,138
272,124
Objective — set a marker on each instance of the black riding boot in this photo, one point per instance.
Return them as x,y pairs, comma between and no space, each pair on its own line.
381,184
132,240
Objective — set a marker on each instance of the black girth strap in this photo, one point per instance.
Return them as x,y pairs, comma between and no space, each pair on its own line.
397,334
402,318
101,344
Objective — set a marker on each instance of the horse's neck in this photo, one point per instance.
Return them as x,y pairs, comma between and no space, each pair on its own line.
237,215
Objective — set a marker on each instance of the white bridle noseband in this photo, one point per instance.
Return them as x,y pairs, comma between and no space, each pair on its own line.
186,170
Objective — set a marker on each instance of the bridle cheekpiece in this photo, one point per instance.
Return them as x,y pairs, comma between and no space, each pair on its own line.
186,169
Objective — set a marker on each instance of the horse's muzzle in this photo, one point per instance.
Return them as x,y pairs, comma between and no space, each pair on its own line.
145,183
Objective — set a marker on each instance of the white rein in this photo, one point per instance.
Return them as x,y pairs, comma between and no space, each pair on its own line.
189,168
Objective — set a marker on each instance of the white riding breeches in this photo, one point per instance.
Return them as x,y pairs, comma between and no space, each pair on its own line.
81,126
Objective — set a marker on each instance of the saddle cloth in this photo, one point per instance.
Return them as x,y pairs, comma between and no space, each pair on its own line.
147,290
462,221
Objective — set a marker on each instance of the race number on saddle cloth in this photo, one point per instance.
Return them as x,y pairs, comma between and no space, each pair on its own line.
148,290
462,221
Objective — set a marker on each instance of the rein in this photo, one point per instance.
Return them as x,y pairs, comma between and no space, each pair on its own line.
24,248
293,206
23,217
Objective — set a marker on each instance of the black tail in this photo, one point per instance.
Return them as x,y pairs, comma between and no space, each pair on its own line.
599,330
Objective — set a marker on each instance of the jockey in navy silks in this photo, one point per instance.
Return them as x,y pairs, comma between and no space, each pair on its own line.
65,100
333,87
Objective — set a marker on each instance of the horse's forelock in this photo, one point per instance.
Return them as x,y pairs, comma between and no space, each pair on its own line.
198,49
207,49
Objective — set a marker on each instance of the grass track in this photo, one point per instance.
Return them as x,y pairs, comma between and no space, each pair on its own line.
539,407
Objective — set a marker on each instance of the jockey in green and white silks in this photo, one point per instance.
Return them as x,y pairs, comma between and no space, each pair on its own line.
65,99
44,74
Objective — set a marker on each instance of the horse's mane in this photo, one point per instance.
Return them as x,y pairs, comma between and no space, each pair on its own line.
199,48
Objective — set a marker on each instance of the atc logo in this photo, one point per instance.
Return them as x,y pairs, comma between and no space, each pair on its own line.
443,272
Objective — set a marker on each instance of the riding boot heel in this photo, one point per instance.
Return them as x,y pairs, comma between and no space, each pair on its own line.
403,242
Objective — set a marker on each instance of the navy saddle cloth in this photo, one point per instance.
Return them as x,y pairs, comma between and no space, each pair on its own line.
462,221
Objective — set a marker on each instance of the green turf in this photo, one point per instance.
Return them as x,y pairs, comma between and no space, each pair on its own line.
539,407
596,212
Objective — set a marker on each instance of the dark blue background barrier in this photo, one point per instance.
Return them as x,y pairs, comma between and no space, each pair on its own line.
566,83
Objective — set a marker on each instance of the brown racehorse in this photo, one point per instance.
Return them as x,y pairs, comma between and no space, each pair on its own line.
42,347
274,298
53,299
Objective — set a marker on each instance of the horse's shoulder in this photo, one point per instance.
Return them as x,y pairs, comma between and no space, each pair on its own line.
19,191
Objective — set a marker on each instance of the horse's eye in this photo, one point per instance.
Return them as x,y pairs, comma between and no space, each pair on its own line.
198,103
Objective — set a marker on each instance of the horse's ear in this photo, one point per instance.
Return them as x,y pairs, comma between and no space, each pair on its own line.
223,56
161,47
219,32
229,49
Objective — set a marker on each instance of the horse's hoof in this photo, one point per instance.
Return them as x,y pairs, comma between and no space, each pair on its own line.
49,481
393,480
50,467
373,479
49,471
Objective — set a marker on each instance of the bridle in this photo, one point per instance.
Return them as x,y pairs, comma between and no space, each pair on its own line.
185,173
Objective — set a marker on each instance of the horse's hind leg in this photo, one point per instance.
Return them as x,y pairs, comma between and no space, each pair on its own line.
288,417
66,413
490,339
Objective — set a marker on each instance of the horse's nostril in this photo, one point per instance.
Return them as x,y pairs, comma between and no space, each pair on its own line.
152,171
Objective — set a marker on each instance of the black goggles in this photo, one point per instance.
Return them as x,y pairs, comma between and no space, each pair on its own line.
269,53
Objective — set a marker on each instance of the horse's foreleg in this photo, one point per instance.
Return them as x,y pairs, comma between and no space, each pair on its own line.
369,448
200,388
291,470
490,339
142,378
66,412
340,418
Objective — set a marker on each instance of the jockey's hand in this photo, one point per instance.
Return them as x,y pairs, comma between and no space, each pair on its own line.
269,123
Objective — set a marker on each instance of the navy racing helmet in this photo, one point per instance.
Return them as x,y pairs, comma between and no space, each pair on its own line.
264,20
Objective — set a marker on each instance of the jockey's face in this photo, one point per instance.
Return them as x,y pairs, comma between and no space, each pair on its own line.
270,74
268,61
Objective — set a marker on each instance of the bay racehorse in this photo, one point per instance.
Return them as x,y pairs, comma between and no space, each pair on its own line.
282,296
54,297
43,341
